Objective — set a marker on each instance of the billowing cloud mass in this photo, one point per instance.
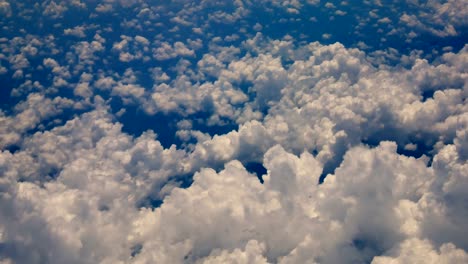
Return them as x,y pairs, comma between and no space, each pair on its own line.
233,131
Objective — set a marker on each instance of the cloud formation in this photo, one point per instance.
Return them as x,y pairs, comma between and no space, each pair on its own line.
233,132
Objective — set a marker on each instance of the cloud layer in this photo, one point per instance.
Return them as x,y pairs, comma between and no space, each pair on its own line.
233,132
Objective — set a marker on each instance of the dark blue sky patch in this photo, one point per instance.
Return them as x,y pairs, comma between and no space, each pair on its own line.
329,168
7,85
135,121
149,202
428,94
413,148
367,249
153,200
419,150
257,168
12,148
135,250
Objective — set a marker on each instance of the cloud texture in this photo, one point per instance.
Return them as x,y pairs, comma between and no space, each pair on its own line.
200,133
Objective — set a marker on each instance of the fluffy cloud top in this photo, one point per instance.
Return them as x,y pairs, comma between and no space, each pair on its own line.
224,132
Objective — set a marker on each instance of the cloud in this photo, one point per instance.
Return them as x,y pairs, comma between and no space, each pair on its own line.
165,51
437,17
76,31
421,251
280,149
324,103
5,8
360,209
28,115
88,170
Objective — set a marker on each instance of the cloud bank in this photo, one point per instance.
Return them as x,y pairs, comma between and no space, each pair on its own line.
233,132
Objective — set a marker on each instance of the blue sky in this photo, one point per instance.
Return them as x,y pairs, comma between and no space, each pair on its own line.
299,131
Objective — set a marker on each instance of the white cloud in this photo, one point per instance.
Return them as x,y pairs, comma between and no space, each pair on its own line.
28,115
421,251
78,31
107,174
253,253
438,14
165,51
5,8
54,10
83,191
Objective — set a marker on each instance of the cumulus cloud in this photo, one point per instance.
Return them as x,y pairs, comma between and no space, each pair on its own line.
437,17
327,223
334,99
421,251
76,32
199,133
28,115
79,175
5,8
